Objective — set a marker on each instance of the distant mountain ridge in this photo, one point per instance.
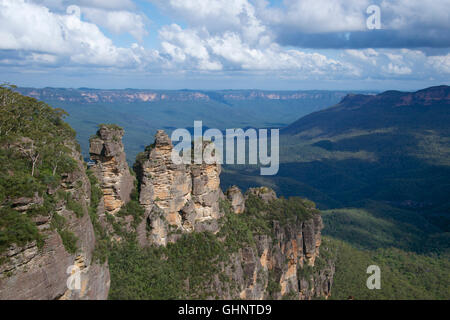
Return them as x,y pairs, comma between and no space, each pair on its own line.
357,111
142,112
86,95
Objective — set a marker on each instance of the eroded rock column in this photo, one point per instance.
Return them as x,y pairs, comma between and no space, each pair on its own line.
111,168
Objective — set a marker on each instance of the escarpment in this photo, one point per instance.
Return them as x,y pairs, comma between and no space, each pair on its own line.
40,269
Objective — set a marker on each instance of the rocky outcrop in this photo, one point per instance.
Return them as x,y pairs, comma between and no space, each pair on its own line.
33,272
265,193
176,197
281,264
236,198
111,167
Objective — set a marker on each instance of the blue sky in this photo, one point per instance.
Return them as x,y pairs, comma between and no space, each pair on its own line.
225,44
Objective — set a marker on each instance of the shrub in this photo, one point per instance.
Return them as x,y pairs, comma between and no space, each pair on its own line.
69,241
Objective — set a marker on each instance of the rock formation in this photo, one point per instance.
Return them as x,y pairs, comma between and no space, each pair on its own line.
281,264
266,194
176,197
234,195
33,273
111,167
185,198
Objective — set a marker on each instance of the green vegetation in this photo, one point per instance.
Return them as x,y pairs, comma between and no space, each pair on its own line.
404,275
186,269
239,230
35,151
383,173
412,253
17,228
181,270
133,208
74,206
102,241
379,225
69,240
273,286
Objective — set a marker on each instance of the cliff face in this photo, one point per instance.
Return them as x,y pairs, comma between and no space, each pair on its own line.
153,96
41,272
281,264
176,198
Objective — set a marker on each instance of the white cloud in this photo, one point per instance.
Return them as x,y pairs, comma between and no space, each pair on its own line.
440,63
317,15
397,69
398,62
44,58
367,55
231,48
108,4
405,14
117,16
57,34
101,4
219,36
118,22
197,48
185,46
218,16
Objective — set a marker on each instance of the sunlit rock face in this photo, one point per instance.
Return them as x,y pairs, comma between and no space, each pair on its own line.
111,167
177,197
236,198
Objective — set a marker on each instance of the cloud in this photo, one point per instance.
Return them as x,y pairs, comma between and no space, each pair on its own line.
217,38
440,63
185,47
57,34
116,16
228,36
118,22
300,39
101,4
197,49
342,23
217,16
232,49
397,69
382,63
108,4
318,16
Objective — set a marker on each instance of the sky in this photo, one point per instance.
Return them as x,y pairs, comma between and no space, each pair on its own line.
226,44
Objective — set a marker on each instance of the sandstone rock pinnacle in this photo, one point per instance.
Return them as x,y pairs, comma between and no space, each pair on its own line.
184,196
111,167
